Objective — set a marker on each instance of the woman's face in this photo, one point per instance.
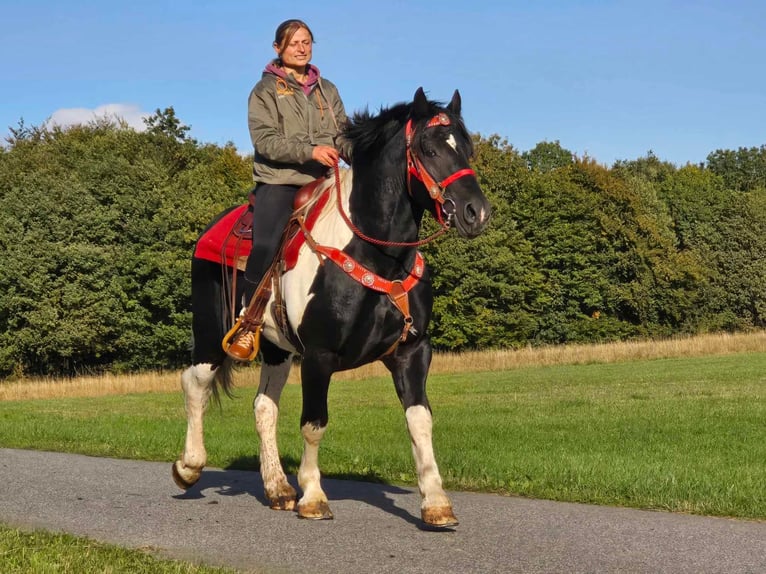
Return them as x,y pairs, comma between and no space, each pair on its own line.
297,53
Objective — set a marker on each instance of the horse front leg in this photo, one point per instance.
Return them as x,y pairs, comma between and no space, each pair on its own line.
315,380
196,382
279,492
409,367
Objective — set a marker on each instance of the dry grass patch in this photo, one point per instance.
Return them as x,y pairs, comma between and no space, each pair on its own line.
498,360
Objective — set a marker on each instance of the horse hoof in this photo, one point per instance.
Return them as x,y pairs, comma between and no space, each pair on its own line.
315,511
185,477
439,517
282,503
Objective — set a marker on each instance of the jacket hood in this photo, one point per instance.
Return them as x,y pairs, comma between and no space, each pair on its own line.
313,74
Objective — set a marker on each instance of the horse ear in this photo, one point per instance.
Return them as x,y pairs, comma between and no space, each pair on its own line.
420,106
456,103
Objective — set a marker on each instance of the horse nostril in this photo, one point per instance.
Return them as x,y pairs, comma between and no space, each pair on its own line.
470,213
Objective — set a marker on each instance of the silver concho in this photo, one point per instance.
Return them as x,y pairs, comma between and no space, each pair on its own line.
348,266
368,279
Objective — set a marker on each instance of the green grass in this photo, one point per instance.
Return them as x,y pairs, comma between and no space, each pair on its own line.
41,553
684,435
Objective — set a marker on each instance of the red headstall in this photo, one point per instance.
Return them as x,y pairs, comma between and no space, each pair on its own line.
416,168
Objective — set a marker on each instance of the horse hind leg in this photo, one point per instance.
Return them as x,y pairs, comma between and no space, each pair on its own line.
280,494
196,382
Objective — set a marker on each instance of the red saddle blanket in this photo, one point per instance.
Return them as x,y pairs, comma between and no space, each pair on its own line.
229,240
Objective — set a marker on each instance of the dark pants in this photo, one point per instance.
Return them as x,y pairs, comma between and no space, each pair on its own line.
271,212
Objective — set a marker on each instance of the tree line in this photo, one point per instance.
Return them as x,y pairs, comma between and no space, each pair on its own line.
99,222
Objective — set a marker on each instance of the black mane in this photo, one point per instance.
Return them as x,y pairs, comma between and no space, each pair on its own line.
370,133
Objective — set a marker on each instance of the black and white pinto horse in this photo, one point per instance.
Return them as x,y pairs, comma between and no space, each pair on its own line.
408,159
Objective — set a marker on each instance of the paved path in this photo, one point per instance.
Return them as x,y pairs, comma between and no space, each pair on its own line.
223,521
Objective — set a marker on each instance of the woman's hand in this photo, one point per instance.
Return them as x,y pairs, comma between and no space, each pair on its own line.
325,155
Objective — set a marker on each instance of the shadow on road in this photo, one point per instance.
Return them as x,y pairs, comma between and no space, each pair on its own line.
229,482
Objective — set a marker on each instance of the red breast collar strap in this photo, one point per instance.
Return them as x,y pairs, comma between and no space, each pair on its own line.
361,274
397,291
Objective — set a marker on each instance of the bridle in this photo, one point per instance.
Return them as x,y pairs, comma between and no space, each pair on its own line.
416,169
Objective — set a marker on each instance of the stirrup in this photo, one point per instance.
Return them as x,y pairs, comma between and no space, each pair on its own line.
229,338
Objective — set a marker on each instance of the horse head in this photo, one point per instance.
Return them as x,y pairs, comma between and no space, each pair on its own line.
439,149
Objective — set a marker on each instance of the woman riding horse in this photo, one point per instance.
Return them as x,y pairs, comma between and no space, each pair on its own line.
358,291
294,116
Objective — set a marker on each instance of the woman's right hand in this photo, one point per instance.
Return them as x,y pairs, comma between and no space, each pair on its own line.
325,154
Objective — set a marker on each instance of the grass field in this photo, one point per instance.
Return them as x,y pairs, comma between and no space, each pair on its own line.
683,433
674,425
43,552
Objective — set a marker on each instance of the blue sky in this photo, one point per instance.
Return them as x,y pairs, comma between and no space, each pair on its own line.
612,80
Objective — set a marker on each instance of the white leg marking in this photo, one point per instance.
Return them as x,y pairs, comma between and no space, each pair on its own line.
308,474
266,411
419,423
196,383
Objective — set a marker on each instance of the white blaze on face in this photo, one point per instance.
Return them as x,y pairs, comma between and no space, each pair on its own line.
452,142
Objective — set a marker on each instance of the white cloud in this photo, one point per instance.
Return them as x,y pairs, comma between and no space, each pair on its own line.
129,113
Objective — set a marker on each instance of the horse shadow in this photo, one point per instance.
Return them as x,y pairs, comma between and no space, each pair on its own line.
366,488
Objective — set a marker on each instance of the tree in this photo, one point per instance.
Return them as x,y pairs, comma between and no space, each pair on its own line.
741,170
726,229
97,229
167,124
547,156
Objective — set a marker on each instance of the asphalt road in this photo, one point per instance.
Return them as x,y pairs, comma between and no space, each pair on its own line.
224,521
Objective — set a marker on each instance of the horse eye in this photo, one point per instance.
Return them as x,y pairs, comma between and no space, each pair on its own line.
430,152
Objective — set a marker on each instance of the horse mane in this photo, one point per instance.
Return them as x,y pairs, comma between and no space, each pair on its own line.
369,133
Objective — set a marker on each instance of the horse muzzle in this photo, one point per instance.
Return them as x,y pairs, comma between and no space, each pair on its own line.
470,217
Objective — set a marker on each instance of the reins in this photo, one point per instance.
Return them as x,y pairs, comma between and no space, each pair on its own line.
361,235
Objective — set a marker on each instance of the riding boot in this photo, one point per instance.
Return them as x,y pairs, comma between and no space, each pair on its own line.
271,213
242,342
245,341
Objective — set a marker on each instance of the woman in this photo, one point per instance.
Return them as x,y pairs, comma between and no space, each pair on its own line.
295,119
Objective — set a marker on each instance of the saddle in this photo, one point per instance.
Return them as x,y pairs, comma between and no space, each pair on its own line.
229,240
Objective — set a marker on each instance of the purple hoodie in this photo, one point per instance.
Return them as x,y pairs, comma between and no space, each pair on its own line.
313,75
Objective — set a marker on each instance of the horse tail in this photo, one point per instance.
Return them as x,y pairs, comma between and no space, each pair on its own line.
210,319
223,380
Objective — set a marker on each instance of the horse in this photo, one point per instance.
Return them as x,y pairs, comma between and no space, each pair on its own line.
358,291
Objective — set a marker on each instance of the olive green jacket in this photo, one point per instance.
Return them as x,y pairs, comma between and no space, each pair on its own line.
285,124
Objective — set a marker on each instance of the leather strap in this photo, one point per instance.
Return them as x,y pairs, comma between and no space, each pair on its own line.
397,291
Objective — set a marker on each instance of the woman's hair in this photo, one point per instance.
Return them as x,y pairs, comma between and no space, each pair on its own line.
286,30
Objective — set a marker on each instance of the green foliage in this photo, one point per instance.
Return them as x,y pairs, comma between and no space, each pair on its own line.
741,170
547,156
96,231
98,224
726,229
